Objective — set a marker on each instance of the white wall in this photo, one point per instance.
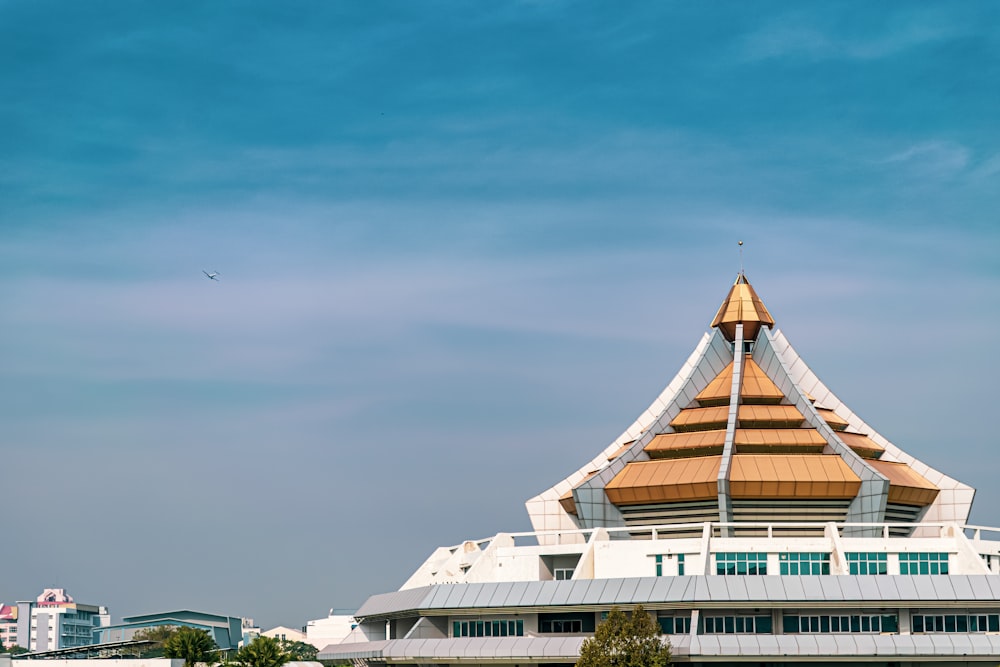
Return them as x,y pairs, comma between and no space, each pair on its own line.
330,630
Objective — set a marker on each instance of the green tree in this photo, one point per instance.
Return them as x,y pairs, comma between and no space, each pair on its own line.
297,650
14,649
262,652
624,641
158,634
191,645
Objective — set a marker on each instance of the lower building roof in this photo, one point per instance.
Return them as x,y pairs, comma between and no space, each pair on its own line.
755,647
675,592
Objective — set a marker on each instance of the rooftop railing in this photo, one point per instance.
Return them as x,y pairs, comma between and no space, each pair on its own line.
745,530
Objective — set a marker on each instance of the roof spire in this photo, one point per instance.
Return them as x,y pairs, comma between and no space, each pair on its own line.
742,306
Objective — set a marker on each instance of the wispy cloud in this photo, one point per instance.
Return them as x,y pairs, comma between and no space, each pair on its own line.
932,159
801,35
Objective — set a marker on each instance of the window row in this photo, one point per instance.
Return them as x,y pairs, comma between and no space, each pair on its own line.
571,623
923,563
729,625
804,563
867,563
818,563
955,623
741,563
746,624
675,625
503,628
855,623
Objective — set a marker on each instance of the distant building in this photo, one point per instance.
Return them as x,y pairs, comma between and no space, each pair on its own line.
8,625
55,621
227,631
285,634
330,630
250,631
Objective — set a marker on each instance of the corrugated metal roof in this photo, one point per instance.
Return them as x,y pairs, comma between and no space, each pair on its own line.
550,649
693,590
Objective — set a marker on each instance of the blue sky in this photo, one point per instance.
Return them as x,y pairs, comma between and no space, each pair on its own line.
462,246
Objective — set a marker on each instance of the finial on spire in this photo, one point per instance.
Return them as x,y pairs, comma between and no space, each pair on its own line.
742,306
741,256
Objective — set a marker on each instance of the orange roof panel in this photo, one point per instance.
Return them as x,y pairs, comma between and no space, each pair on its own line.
757,387
862,444
906,485
621,450
831,418
691,443
701,419
763,416
778,440
566,499
812,476
669,480
718,390
567,502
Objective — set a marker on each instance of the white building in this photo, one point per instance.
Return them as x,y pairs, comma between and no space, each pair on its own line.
54,621
285,634
748,509
8,625
330,630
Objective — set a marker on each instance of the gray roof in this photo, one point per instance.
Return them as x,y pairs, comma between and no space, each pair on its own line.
846,647
653,592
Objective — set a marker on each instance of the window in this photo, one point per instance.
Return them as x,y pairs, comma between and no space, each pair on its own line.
804,563
563,573
662,557
675,625
495,628
732,625
566,623
740,563
867,563
923,563
955,623
822,623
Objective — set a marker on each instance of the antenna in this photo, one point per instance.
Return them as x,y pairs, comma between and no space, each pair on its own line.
741,258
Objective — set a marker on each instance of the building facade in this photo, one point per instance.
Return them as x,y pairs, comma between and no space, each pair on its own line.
55,621
749,510
333,629
227,631
8,625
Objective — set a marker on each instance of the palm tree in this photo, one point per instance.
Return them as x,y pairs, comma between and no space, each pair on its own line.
262,652
192,645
